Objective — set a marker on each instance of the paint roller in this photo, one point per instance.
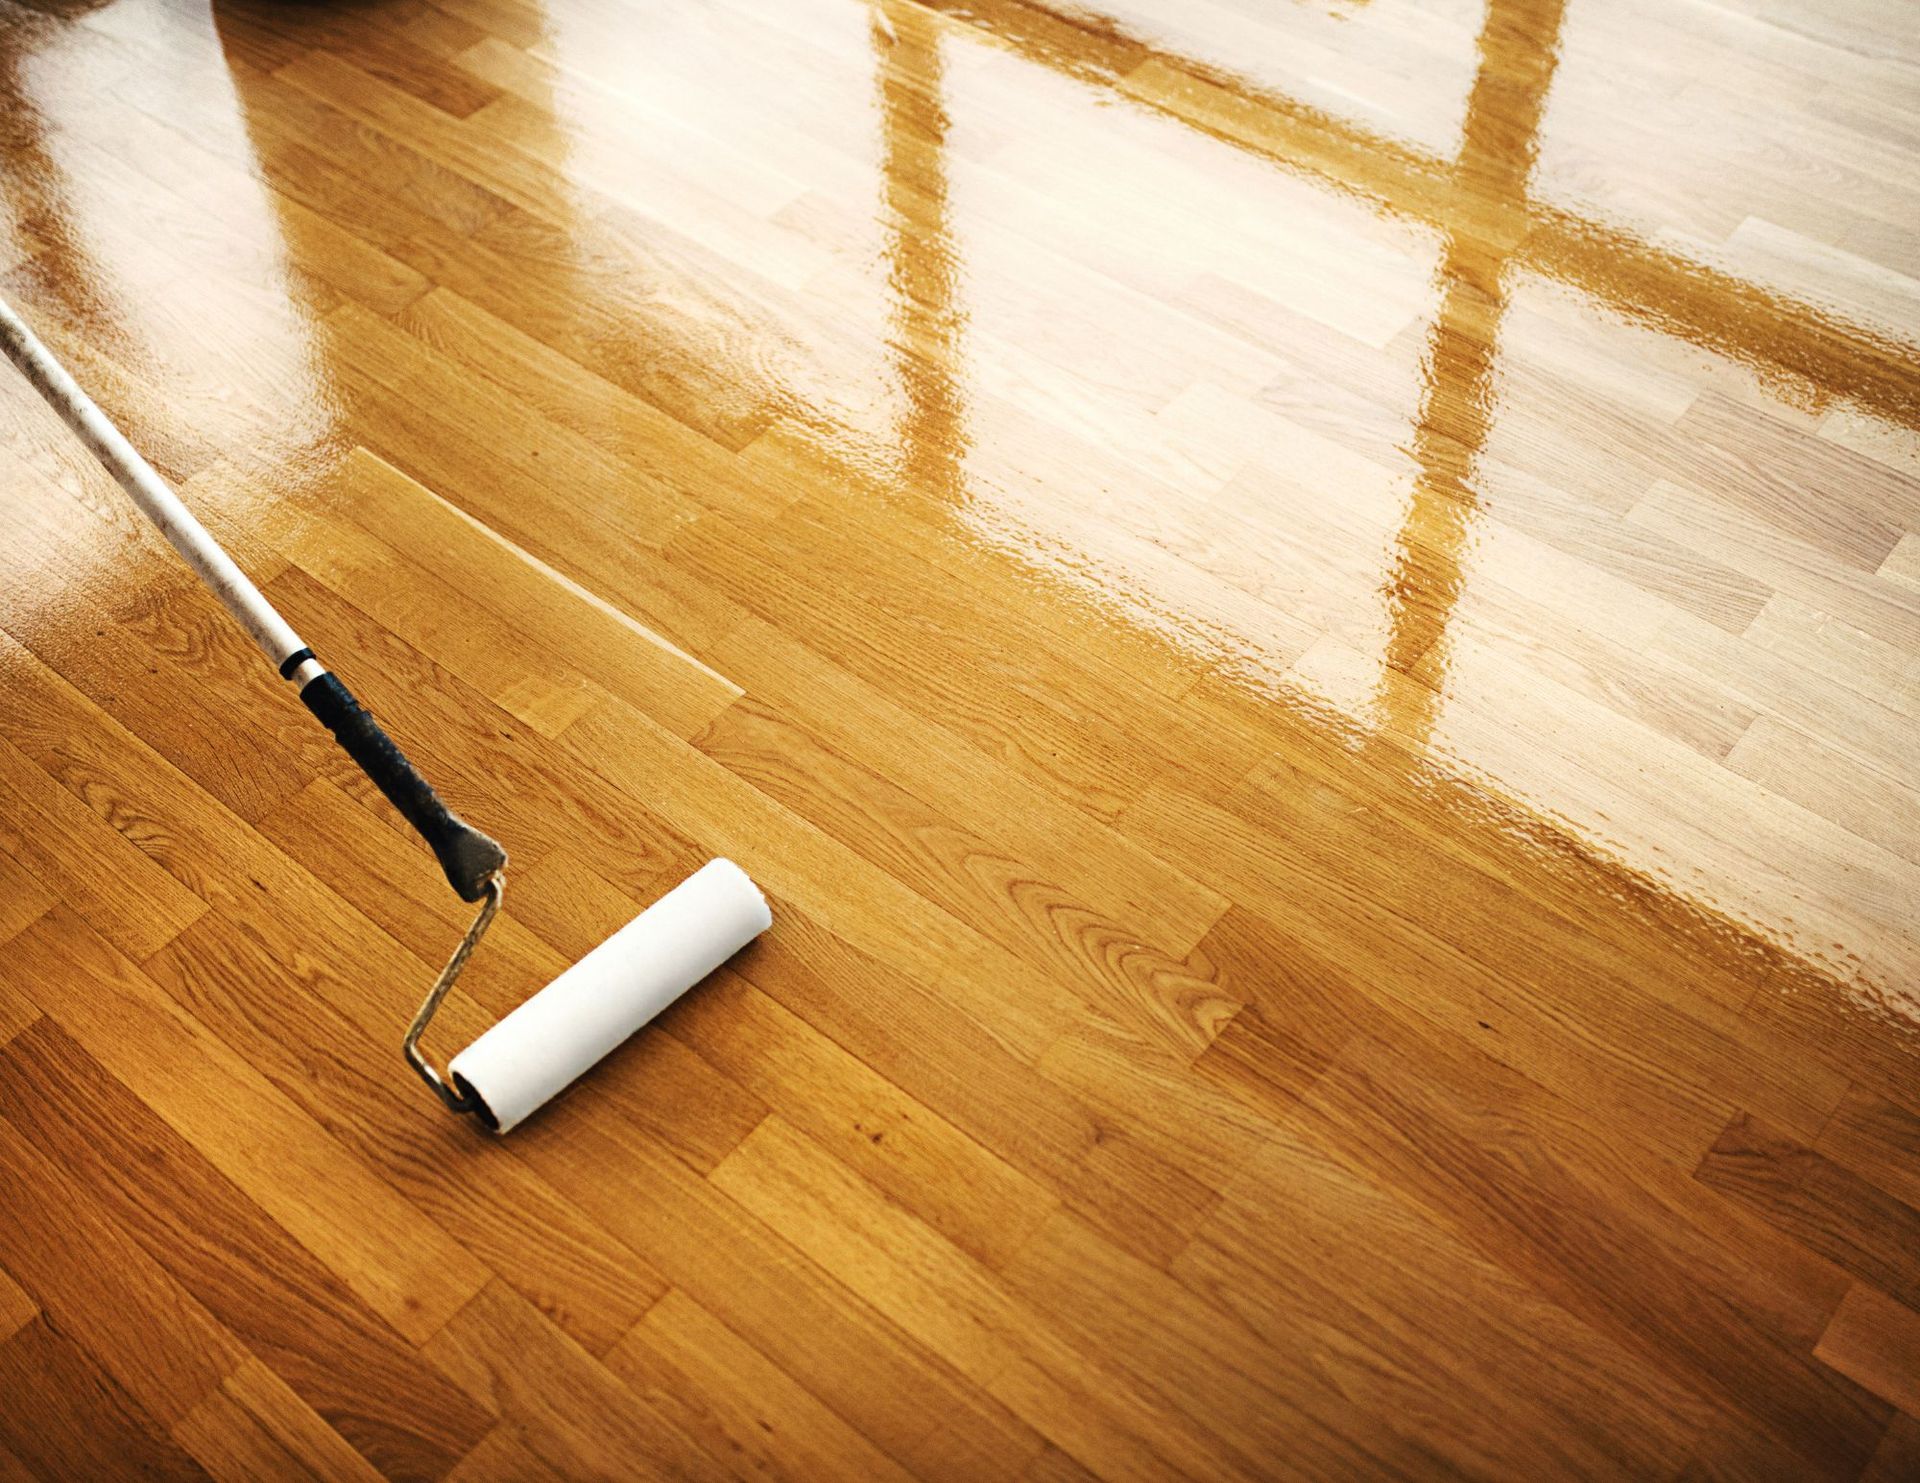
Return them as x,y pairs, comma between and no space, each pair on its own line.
543,1046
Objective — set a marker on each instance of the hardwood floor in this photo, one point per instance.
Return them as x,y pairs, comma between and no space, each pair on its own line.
1310,613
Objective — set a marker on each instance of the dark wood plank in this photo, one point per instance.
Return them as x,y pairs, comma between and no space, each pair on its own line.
1617,1244
571,1413
1898,1456
1852,1223
1877,1139
1876,1342
66,1417
159,1344
355,1371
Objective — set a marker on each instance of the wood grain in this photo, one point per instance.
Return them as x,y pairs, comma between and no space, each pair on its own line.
401,1264
1309,615
1876,1341
408,1423
573,1415
65,1414
256,1423
1849,1220
153,1337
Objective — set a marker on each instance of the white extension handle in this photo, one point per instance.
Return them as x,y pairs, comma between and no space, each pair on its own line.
472,861
147,490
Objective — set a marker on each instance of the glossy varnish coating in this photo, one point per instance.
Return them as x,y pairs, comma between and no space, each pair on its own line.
1310,613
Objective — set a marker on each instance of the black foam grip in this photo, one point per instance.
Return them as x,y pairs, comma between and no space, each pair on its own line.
465,854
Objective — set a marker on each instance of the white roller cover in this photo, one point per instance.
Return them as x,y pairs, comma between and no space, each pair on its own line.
533,1053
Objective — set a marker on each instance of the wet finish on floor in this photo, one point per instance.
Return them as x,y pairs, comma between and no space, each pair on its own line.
1310,613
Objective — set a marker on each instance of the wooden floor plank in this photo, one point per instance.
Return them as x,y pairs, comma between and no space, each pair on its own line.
1125,978
763,1288
976,1199
1899,1450
864,725
590,1283
17,1307
1567,1242
399,1263
749,1414
137,906
1831,1209
1065,1394
229,1444
1420,1275
358,1373
158,1343
274,1411
575,1416
66,1415
1876,1341
1879,1139
1267,1401
590,636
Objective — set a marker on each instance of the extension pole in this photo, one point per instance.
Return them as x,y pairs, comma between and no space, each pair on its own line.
472,861
156,500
